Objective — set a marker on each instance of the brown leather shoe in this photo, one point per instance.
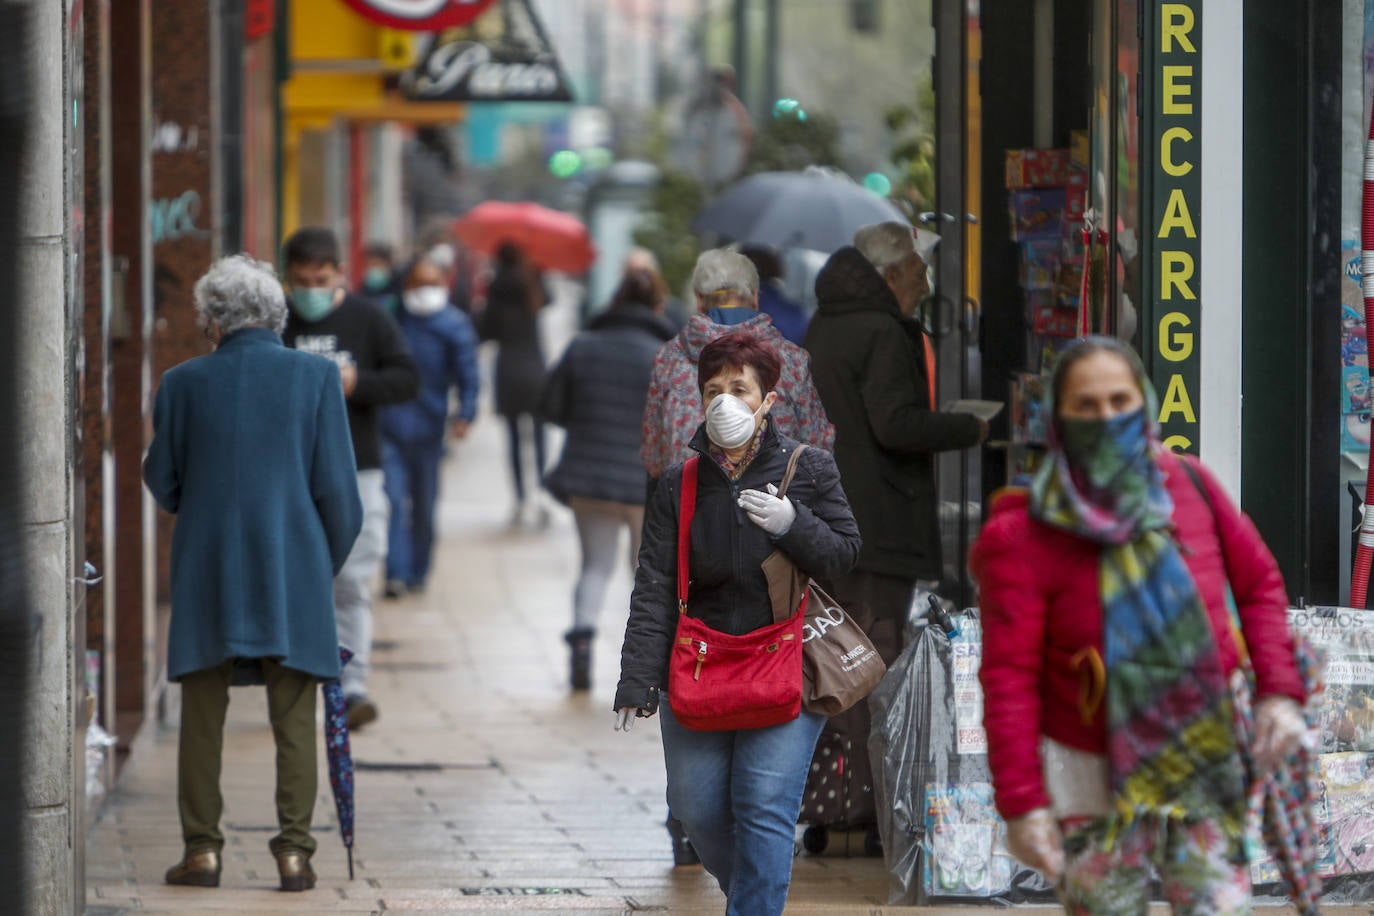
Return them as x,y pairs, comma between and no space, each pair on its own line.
197,869
294,868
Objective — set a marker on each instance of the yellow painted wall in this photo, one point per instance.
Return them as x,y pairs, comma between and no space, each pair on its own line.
339,64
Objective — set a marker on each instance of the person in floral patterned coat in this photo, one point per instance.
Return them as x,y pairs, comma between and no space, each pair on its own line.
726,285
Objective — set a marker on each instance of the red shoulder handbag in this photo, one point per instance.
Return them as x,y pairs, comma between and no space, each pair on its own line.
721,682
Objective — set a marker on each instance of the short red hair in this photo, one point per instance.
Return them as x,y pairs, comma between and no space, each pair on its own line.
739,350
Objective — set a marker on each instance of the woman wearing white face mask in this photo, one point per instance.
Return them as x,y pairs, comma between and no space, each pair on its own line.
444,345
737,792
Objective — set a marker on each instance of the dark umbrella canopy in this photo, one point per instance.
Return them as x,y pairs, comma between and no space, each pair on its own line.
340,757
814,209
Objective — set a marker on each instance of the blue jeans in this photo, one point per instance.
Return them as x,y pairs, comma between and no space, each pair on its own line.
738,794
412,486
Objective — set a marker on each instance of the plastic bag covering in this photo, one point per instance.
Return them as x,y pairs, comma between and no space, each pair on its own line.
941,835
1342,717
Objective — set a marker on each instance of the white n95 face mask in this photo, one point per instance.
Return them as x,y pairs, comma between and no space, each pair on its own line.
729,421
423,301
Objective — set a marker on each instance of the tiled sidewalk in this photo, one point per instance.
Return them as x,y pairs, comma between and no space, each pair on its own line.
484,786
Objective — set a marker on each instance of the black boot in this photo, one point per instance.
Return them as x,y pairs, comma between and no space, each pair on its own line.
580,657
683,853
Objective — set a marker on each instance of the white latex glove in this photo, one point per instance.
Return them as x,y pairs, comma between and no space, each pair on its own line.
1279,728
771,513
625,718
1035,842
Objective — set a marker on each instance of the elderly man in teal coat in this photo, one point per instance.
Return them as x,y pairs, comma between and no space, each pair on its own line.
251,451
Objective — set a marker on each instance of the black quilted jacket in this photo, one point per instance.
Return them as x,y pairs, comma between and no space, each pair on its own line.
869,367
597,394
727,589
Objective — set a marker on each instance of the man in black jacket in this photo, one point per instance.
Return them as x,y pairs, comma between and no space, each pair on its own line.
377,369
875,373
874,370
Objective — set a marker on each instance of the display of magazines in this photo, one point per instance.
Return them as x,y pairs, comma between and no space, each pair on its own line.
1343,715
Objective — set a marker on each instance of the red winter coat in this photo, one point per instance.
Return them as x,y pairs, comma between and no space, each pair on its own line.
1040,607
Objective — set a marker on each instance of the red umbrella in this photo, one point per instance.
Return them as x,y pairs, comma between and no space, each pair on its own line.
553,240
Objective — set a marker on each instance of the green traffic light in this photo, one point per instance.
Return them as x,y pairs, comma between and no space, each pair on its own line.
565,163
878,183
784,108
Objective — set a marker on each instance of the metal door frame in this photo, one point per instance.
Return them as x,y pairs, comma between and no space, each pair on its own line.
958,374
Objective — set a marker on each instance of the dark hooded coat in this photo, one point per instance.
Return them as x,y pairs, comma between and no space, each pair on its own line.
868,364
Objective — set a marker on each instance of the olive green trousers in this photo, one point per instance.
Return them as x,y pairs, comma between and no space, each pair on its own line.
291,709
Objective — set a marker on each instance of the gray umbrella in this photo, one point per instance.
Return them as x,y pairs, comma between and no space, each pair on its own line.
816,208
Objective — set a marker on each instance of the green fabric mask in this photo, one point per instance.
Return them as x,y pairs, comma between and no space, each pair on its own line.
312,303
376,279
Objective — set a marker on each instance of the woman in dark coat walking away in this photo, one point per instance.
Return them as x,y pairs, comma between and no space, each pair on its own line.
514,298
597,393
737,792
251,451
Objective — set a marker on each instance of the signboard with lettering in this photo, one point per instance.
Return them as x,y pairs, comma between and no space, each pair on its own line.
1176,205
420,15
503,56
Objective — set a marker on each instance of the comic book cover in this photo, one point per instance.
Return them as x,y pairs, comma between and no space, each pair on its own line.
1346,807
1027,404
965,854
1355,433
1354,389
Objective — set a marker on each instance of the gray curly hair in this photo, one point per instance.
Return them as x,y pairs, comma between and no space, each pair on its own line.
240,292
885,244
723,277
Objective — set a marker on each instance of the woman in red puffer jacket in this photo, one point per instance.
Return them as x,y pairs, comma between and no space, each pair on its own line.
1108,647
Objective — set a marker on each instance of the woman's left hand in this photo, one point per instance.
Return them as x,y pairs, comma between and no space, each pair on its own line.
770,512
1279,728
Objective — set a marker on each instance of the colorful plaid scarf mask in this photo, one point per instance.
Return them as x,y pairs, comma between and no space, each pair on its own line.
1171,742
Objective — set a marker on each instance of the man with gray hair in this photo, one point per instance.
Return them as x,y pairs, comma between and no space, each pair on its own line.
726,287
874,368
251,451
875,371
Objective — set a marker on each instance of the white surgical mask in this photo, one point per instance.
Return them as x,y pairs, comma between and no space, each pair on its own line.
730,424
423,301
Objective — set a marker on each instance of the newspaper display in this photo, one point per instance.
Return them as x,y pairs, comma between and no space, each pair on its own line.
1343,738
966,650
